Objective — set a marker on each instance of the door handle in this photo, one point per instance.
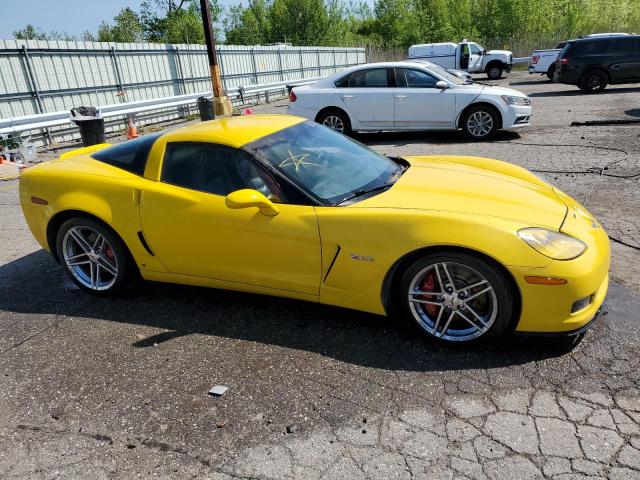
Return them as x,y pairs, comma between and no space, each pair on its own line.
348,96
401,96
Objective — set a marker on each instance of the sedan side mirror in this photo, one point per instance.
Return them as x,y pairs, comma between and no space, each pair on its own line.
442,85
247,198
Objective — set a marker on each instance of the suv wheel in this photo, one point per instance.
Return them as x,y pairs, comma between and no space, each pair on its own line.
594,81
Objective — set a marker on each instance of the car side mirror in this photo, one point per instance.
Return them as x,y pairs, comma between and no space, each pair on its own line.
483,52
442,85
247,198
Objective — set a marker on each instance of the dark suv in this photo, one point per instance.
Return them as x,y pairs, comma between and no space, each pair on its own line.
593,63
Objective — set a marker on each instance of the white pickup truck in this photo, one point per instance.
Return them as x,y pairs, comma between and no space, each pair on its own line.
468,56
544,61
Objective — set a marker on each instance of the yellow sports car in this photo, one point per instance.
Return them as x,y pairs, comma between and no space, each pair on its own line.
468,248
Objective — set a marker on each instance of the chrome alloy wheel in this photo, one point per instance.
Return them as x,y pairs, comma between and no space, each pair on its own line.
480,123
90,258
452,301
334,123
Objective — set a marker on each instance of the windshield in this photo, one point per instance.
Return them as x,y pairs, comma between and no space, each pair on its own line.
326,164
449,77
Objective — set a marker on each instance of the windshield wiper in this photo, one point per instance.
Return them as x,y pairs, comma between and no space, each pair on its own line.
364,191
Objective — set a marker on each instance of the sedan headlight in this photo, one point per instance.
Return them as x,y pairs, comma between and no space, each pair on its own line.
552,244
515,100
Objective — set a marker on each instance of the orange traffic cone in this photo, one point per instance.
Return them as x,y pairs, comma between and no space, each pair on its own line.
131,130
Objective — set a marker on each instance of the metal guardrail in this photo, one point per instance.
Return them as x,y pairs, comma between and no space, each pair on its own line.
521,59
13,125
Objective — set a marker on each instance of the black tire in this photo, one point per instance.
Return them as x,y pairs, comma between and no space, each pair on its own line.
551,72
473,133
331,118
494,72
112,254
461,267
594,81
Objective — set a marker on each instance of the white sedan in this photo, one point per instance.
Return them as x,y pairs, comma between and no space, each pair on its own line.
409,96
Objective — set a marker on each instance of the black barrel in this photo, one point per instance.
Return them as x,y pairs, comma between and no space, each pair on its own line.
205,106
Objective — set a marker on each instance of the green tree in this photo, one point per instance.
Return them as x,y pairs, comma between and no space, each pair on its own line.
175,21
29,32
248,26
127,28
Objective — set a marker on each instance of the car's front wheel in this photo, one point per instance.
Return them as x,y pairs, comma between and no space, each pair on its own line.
456,298
335,120
95,258
480,123
594,81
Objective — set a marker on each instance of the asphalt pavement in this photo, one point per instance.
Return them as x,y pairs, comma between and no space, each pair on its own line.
117,388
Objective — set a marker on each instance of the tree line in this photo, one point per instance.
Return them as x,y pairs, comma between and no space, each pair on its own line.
388,23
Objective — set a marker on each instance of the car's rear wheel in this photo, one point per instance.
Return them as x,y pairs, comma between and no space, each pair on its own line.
494,72
335,120
456,298
594,81
480,122
95,258
551,72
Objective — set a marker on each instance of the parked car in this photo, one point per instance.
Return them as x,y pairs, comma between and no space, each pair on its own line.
467,248
544,61
467,56
409,96
593,63
453,71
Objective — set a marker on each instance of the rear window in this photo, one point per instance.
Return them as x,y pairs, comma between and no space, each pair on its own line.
369,78
130,155
592,47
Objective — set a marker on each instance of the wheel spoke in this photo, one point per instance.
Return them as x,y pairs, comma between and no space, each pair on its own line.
80,240
425,302
421,292
92,268
477,294
446,325
466,319
107,266
75,257
473,312
446,271
478,284
78,263
435,326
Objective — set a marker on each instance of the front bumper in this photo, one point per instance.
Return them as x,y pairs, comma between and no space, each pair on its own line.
508,67
516,116
571,333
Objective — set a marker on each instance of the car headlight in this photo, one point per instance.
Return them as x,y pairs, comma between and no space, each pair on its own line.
552,244
515,100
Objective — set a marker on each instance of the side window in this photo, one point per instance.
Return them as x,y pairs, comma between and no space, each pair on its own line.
626,45
370,78
216,169
409,78
474,48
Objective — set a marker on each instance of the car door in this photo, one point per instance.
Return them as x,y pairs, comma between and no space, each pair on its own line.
419,104
367,97
189,227
475,58
625,59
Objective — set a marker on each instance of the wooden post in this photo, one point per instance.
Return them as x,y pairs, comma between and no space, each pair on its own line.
221,103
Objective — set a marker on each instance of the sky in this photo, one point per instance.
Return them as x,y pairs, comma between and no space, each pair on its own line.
71,16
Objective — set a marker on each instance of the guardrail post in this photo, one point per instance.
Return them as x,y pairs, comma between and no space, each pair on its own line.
34,86
280,64
116,69
301,62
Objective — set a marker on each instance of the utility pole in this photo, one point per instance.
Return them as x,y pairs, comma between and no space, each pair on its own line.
221,102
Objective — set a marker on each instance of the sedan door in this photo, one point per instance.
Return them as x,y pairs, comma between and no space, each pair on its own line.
190,228
367,97
419,104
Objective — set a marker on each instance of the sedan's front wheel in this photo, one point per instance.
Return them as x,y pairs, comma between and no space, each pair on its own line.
456,298
480,123
95,258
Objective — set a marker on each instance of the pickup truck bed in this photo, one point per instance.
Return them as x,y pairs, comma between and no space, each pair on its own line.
544,61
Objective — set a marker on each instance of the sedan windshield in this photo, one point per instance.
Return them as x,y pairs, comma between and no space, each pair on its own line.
327,165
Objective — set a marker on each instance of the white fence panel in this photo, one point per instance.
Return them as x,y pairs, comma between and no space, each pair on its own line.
47,76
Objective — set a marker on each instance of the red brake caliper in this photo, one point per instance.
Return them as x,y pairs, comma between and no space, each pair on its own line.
428,285
109,253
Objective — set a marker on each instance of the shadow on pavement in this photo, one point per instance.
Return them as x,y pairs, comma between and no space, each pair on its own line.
440,137
577,92
348,336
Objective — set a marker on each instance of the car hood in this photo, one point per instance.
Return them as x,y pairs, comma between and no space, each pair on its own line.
499,52
473,185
